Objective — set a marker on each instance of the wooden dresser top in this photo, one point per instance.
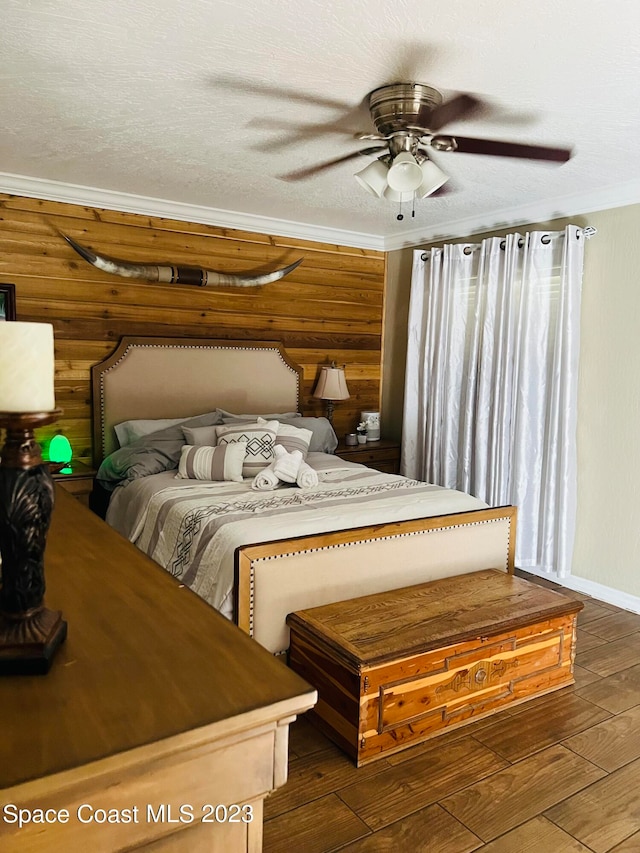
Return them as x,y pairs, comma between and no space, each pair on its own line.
387,625
145,659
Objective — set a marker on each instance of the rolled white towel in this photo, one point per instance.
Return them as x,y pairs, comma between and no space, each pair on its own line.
286,465
266,480
307,478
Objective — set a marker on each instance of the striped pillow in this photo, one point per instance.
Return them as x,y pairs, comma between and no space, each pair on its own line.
292,438
259,440
212,463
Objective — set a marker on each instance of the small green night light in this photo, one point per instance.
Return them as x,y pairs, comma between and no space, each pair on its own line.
60,452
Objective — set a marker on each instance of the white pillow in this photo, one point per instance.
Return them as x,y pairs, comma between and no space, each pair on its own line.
212,463
128,431
275,416
199,436
292,438
259,440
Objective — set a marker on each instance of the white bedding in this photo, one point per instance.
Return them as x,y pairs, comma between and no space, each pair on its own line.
192,528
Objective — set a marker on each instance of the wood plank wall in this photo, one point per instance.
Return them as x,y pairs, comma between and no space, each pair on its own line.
331,307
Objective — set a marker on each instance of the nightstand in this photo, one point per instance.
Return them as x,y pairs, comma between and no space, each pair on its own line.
76,477
384,455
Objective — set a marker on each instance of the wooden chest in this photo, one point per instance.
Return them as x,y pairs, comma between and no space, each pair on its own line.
398,667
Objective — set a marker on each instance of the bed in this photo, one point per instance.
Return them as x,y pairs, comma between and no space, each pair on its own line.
357,532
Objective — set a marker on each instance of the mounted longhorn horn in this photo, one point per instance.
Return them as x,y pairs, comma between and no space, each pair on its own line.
176,274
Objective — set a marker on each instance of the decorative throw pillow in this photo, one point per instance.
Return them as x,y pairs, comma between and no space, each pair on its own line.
259,439
324,438
212,463
151,454
199,436
292,438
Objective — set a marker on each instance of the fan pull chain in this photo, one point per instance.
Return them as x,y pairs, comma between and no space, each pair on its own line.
400,215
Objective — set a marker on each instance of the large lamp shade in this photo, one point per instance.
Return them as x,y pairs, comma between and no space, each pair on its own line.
26,367
332,384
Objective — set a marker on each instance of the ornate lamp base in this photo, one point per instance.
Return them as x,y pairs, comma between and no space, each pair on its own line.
29,632
27,644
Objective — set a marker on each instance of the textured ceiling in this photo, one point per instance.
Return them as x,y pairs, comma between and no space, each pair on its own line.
205,102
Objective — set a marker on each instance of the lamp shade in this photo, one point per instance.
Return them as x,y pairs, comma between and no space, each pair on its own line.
432,179
26,367
373,178
331,384
405,175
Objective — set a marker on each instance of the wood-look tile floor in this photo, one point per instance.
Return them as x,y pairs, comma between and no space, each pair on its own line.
557,774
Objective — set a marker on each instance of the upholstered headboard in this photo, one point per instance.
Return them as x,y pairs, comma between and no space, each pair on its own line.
175,377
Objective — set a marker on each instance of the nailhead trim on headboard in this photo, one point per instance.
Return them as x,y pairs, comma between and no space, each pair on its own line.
142,345
335,545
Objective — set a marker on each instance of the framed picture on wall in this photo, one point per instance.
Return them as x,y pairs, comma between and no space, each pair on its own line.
7,302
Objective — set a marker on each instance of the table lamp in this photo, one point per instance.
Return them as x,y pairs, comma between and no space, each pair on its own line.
30,633
331,386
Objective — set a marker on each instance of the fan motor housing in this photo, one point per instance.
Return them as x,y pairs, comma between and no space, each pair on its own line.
396,106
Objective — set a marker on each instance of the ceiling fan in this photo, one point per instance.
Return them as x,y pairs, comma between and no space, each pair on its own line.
408,118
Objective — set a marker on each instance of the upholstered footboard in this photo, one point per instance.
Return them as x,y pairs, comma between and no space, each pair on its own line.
274,579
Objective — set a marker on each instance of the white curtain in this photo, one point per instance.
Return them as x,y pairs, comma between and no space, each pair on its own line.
491,381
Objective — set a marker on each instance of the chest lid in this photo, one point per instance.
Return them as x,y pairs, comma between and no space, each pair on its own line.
387,625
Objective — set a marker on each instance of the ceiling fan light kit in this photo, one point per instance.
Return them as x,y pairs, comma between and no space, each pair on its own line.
406,179
408,118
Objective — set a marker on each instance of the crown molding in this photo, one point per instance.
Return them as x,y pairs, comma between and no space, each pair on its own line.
540,211
546,210
148,206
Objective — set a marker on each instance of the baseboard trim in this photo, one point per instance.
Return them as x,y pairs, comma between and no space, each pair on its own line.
596,590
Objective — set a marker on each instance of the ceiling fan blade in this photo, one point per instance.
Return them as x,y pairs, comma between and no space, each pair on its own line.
298,135
301,174
253,87
497,148
445,189
458,107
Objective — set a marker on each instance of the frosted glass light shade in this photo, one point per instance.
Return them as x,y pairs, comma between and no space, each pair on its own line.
332,384
405,175
432,179
26,367
394,195
373,178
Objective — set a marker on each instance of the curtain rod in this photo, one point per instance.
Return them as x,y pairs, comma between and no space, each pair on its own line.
588,232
